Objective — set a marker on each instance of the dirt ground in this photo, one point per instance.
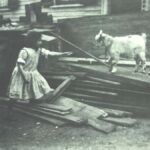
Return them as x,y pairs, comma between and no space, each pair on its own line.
22,132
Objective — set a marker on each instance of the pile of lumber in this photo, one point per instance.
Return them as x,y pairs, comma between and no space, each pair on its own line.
67,111
102,89
83,87
105,90
86,96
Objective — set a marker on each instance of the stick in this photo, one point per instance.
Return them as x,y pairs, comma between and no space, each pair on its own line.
81,50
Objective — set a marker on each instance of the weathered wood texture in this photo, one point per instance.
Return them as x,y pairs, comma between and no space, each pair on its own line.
61,88
51,120
121,121
14,15
83,60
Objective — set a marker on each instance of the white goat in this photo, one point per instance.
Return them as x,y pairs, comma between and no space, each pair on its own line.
133,46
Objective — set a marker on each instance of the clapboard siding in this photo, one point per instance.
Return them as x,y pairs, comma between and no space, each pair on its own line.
74,12
24,2
14,15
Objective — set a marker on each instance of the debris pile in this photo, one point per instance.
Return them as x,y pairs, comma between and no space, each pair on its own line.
67,111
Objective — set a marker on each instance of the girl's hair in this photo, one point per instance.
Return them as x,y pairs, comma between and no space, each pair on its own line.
32,38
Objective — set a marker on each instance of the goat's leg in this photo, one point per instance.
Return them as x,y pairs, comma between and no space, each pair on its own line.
113,67
109,60
143,62
143,67
137,61
114,62
111,64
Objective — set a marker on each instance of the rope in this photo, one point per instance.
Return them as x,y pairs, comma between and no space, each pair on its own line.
81,50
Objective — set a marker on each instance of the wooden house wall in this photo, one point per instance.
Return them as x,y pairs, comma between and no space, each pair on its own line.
14,15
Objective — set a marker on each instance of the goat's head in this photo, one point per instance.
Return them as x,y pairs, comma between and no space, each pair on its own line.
100,37
104,39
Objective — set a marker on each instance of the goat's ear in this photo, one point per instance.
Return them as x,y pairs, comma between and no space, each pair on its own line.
101,31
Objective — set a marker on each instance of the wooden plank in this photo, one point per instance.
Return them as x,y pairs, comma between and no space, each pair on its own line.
79,108
113,77
117,113
43,109
93,91
90,113
117,89
55,77
54,111
93,61
110,93
138,110
55,107
63,73
101,98
5,100
121,121
102,80
51,120
60,89
123,100
101,125
69,117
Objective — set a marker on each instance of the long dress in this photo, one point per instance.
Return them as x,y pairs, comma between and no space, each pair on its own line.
37,86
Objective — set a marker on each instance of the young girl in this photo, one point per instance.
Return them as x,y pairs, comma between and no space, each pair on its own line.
26,82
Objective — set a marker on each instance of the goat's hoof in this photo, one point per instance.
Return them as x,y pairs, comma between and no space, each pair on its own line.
136,69
114,70
143,70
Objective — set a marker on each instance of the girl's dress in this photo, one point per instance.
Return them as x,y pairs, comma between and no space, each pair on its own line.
37,86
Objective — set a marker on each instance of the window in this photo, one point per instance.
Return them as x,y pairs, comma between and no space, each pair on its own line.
3,3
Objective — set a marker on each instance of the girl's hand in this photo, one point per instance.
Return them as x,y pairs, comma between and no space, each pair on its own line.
67,53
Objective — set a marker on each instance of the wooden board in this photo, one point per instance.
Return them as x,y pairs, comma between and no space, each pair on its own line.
101,125
117,113
93,61
90,113
121,121
123,76
45,109
51,120
70,118
54,107
60,89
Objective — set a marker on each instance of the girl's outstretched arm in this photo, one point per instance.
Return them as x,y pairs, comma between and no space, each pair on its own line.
52,53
